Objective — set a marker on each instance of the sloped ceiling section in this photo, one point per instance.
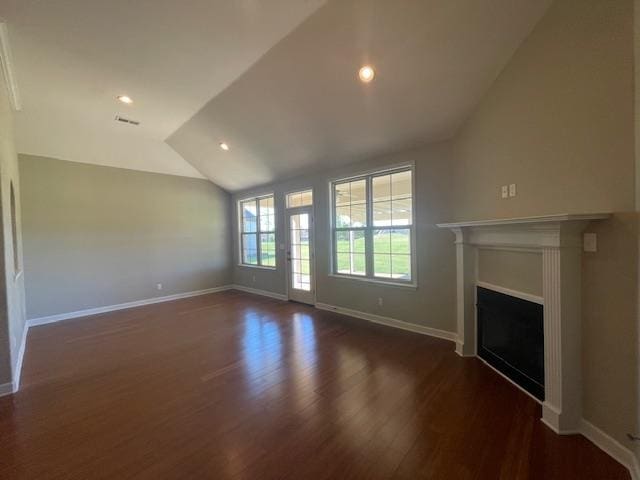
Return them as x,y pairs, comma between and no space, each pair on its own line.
300,106
73,57
275,79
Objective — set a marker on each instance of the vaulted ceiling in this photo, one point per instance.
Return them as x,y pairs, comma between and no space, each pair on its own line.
276,80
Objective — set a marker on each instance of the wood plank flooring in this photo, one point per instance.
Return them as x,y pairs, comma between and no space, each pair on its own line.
236,386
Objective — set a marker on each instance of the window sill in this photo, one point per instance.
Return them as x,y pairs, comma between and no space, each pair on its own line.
375,281
259,267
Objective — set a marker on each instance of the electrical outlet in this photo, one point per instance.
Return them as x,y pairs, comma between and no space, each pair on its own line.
512,190
158,286
380,301
505,191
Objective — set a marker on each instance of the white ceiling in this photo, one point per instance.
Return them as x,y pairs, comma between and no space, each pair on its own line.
276,79
73,57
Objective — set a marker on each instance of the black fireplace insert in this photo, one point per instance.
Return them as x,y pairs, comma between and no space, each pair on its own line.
511,338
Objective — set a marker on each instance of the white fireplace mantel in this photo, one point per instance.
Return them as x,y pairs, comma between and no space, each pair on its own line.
559,239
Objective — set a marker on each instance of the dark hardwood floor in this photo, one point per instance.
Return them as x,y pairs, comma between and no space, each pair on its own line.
236,386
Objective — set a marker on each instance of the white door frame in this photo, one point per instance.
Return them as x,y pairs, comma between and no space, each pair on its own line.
291,292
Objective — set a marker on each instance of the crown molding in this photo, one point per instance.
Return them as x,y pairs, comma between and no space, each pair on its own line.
6,63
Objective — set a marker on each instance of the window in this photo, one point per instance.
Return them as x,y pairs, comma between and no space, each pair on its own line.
300,199
373,226
258,231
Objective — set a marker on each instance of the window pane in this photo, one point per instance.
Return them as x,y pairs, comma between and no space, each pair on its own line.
401,185
266,205
382,214
300,199
351,207
249,215
342,195
351,263
267,214
401,212
293,200
392,254
267,223
358,191
350,241
358,243
401,241
382,265
268,249
382,188
249,249
359,264
343,217
249,241
358,215
382,253
401,267
296,265
306,198
382,241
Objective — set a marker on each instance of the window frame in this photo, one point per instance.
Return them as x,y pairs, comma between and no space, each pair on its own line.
369,276
257,233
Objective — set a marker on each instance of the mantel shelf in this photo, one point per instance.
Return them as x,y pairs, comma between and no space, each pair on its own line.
561,217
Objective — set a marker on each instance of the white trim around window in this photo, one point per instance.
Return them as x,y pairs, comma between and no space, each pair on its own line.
257,246
373,234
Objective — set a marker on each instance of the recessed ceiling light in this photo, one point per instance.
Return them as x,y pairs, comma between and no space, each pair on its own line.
125,99
224,146
366,73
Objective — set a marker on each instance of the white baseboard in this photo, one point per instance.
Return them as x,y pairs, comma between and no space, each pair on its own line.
17,371
611,446
264,293
121,306
390,322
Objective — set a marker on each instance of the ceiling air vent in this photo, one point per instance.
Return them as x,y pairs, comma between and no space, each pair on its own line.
126,120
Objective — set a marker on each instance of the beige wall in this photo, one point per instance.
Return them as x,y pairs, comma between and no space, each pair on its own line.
520,271
432,304
558,122
97,236
12,316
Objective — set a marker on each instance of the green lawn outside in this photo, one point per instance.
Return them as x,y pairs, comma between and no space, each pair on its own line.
391,253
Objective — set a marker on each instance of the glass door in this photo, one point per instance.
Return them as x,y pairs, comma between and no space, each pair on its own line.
300,255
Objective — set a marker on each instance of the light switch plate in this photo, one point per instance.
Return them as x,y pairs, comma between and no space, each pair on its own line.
512,190
590,242
505,191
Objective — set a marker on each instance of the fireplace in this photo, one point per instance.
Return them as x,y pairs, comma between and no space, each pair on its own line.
511,338
558,238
